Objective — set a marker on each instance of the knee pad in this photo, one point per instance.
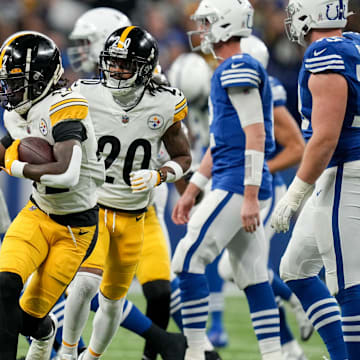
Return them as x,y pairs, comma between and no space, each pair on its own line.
86,285
112,308
224,267
158,289
10,287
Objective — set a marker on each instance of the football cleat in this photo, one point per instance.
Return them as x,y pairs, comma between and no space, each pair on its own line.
194,354
218,337
41,349
293,351
212,355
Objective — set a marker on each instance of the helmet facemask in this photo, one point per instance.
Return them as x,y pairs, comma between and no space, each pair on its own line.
79,52
296,25
207,39
126,78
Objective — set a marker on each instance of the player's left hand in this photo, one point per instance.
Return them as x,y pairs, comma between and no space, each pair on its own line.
289,204
250,214
144,180
11,155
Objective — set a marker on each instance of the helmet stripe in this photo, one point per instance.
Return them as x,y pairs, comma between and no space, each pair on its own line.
7,44
124,35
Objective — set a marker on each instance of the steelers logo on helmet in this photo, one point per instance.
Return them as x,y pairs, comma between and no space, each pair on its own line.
127,63
155,121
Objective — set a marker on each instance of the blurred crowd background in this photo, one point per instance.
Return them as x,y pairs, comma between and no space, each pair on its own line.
168,21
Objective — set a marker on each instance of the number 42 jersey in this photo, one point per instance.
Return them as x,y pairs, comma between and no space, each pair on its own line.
129,140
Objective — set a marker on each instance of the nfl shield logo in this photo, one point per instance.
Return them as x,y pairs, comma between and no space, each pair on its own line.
125,119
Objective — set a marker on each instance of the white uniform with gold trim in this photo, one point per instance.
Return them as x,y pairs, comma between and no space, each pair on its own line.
129,140
41,119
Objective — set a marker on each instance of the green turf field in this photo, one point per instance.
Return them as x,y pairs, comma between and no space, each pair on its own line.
242,345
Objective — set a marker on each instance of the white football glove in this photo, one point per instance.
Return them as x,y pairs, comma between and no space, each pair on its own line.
144,180
289,204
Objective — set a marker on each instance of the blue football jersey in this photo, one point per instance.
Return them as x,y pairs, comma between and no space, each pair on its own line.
340,55
279,99
227,138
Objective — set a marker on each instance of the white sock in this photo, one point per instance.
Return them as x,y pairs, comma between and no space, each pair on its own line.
196,338
277,355
106,322
77,309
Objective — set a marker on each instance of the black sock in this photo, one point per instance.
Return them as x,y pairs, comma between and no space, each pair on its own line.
10,314
157,295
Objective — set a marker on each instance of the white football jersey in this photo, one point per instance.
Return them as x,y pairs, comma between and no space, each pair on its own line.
60,106
129,140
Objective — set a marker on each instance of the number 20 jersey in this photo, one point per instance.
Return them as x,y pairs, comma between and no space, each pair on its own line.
339,55
129,140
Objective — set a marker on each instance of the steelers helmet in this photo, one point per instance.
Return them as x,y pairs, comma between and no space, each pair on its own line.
128,60
30,64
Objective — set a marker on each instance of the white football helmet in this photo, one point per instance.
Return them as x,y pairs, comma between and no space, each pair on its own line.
219,21
305,15
89,35
255,47
191,74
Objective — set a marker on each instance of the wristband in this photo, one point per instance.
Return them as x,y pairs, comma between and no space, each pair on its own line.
199,180
179,172
254,163
299,188
17,168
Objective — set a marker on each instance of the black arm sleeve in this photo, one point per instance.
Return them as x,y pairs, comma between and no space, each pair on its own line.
68,130
6,140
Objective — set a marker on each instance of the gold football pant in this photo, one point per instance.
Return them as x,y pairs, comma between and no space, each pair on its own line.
118,251
34,243
155,259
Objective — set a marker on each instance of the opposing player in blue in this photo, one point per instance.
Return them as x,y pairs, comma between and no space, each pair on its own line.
288,152
240,136
325,232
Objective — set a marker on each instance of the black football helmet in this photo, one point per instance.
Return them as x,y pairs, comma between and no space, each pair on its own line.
30,64
128,61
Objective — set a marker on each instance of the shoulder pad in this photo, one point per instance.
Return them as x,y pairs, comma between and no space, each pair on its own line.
68,105
323,55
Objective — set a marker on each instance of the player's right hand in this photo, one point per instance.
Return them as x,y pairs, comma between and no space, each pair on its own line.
11,154
181,211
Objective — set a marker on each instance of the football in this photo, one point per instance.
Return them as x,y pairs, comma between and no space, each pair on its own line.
34,150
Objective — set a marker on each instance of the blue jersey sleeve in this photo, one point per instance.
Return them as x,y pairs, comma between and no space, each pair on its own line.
278,92
325,55
240,71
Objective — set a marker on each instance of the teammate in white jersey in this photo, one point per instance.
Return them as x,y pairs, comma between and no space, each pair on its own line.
325,232
58,228
132,116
